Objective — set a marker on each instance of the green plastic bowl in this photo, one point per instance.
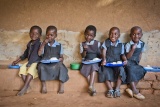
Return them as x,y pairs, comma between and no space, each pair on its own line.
75,66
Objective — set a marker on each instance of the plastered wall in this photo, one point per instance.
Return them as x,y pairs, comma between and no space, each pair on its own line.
12,47
71,17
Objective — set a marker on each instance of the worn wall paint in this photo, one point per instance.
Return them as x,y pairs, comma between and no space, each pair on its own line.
13,43
71,17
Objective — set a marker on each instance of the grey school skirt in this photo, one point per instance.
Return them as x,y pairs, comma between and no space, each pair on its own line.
134,72
87,69
111,74
53,71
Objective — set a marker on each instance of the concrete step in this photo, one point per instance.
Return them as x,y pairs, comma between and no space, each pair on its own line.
9,80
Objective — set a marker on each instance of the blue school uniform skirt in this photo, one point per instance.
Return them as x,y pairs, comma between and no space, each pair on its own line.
111,74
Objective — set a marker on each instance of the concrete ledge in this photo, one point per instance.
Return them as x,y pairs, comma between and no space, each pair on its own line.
10,81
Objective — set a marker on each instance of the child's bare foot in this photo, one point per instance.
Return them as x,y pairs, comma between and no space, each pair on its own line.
60,92
61,88
28,90
44,90
22,92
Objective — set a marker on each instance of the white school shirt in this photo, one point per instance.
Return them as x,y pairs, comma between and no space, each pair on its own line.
54,45
88,43
117,42
129,44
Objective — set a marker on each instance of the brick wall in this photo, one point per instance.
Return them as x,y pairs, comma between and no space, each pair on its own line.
150,84
10,81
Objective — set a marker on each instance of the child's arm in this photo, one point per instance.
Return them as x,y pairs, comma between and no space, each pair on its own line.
143,49
130,53
124,59
16,61
83,54
140,56
61,58
22,57
41,49
103,51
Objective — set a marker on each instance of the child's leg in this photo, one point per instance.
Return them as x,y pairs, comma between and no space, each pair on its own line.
117,89
88,78
92,90
118,84
44,88
24,78
110,91
136,93
133,87
109,86
136,83
26,85
61,88
92,77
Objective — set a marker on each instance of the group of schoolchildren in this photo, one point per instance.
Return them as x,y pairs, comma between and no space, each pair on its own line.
111,50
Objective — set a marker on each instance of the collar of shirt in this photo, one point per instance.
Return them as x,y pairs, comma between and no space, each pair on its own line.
138,45
90,43
36,41
54,44
116,43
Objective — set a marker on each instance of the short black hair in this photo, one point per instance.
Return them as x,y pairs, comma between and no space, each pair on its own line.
91,27
135,28
113,28
51,28
36,27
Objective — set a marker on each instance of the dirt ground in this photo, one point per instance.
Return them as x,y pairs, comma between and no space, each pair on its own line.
72,99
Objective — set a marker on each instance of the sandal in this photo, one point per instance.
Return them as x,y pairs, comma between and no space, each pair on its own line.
109,93
92,91
117,93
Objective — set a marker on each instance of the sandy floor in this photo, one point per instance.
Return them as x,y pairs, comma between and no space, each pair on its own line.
70,99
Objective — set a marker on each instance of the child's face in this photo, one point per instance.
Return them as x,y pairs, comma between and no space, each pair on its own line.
51,35
136,35
114,35
89,35
34,34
